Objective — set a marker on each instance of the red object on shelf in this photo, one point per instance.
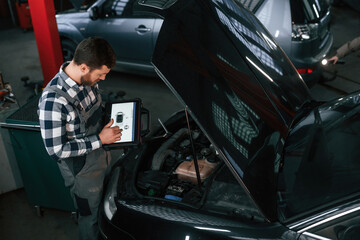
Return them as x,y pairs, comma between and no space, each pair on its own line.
23,12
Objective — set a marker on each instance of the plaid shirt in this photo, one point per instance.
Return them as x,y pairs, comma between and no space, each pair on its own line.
59,121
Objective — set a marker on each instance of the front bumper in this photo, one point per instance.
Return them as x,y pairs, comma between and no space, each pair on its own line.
108,230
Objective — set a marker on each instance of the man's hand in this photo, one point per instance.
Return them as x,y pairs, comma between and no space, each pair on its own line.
334,59
110,134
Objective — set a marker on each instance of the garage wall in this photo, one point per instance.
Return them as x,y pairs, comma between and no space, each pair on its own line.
4,9
8,11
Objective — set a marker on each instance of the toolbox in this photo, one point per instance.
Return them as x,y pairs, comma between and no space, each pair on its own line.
23,12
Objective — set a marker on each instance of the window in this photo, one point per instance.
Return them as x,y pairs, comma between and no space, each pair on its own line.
308,11
251,5
117,8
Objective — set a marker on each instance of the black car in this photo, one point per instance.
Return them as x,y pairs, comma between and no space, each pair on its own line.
252,156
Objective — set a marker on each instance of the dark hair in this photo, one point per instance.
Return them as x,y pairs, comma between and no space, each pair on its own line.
94,52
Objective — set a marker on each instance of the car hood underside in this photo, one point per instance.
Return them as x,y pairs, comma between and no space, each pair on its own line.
236,83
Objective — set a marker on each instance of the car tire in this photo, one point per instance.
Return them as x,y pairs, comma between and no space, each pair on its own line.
68,49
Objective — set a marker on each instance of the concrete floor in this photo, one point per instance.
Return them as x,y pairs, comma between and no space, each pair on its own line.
19,58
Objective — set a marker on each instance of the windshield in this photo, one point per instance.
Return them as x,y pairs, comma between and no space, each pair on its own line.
251,5
322,160
308,11
76,6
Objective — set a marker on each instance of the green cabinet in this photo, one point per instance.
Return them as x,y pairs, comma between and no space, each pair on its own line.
43,183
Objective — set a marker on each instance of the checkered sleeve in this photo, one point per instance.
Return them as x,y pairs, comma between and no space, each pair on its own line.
56,118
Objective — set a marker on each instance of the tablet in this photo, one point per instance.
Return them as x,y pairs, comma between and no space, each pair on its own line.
126,115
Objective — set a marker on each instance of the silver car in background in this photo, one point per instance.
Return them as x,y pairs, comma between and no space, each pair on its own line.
131,32
301,28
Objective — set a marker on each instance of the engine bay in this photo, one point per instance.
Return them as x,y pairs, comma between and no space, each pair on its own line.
172,171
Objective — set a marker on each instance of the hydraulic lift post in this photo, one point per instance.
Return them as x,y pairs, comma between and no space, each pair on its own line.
47,37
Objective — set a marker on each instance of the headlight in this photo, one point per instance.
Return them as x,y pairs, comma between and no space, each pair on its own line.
324,62
303,32
111,193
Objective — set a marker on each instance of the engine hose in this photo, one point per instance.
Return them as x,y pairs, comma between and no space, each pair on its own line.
163,152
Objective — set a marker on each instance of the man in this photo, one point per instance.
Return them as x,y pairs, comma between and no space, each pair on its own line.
70,116
346,49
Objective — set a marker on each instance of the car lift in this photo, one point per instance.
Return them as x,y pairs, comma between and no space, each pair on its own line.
47,37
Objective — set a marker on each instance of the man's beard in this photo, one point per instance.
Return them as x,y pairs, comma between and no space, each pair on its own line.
86,81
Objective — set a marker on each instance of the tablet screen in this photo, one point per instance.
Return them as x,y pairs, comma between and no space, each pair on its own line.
124,117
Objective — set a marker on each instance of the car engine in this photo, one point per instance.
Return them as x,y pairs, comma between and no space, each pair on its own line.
172,174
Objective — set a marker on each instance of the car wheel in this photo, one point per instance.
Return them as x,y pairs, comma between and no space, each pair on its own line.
68,49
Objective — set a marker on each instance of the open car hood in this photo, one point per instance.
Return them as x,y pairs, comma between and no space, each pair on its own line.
236,83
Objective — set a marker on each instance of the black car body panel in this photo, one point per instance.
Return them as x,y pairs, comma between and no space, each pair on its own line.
321,158
246,83
142,217
271,149
163,222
